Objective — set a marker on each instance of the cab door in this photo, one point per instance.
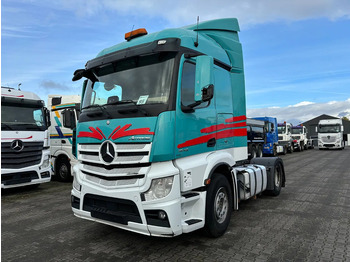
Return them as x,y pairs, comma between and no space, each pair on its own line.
196,126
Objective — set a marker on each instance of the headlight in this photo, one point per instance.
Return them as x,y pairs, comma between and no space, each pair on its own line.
46,164
160,188
76,185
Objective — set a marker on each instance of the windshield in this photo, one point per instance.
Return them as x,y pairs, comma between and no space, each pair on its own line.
22,117
297,131
134,82
329,129
282,129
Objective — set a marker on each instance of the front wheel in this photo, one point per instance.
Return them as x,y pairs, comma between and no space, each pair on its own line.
278,180
63,170
218,206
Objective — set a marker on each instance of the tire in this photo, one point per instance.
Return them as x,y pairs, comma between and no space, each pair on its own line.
218,206
301,147
253,152
278,177
285,150
291,149
63,170
259,152
274,151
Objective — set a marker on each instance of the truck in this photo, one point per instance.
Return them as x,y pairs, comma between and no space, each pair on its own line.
162,134
25,144
255,137
330,134
272,146
299,136
61,132
285,136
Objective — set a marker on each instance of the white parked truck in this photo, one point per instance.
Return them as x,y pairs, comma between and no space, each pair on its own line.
330,134
299,136
285,136
61,133
25,144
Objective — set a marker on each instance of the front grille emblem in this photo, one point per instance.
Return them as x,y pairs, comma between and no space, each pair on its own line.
107,151
17,145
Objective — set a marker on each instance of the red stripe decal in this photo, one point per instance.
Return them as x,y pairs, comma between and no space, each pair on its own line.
29,137
218,135
221,126
235,119
100,131
123,132
12,95
93,134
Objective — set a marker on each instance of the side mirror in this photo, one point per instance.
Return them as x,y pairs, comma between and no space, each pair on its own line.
342,128
316,129
47,116
78,74
69,118
204,87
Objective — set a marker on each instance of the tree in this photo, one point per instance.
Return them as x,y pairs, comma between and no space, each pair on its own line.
345,118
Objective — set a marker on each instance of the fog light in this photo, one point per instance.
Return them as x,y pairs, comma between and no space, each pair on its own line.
162,215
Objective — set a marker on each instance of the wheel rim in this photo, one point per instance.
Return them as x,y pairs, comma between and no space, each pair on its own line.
277,178
63,172
221,205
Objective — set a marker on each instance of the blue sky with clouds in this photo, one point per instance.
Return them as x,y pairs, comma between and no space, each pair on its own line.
296,53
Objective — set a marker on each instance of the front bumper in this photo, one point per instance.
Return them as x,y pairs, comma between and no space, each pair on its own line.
125,207
26,176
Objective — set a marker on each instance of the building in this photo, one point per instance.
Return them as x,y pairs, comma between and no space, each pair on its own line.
312,124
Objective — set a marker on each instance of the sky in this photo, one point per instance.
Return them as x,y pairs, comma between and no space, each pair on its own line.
296,53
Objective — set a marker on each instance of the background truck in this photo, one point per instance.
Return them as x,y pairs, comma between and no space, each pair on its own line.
285,136
162,134
330,134
255,137
299,136
25,144
61,132
272,146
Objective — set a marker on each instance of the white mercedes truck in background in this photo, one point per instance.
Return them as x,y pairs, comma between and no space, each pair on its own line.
62,107
330,134
25,145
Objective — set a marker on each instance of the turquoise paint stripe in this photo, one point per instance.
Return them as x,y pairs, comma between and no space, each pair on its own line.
70,140
58,121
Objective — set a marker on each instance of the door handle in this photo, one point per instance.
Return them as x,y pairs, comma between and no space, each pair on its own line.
211,142
63,141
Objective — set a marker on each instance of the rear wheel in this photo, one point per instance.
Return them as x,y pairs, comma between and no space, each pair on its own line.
278,179
218,206
253,152
259,152
285,150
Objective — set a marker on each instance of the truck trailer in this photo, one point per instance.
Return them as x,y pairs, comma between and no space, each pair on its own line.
162,134
25,144
256,135
330,134
61,132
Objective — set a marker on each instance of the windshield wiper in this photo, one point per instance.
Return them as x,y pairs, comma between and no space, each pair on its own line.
6,126
123,111
102,107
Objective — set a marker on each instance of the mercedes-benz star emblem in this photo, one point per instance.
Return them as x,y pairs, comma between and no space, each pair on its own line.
17,145
107,152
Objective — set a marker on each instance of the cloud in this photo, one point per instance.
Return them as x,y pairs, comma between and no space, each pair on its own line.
304,111
249,12
51,86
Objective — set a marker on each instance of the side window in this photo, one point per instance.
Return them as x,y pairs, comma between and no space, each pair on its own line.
187,85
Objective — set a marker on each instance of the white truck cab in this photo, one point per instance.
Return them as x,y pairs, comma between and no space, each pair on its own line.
330,134
65,111
25,144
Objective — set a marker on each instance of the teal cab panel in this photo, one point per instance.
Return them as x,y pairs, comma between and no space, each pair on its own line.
127,130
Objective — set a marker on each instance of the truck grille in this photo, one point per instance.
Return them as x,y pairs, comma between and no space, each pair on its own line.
328,139
280,137
112,209
30,155
130,164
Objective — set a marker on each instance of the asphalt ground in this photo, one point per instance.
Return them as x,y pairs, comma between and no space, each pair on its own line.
308,221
